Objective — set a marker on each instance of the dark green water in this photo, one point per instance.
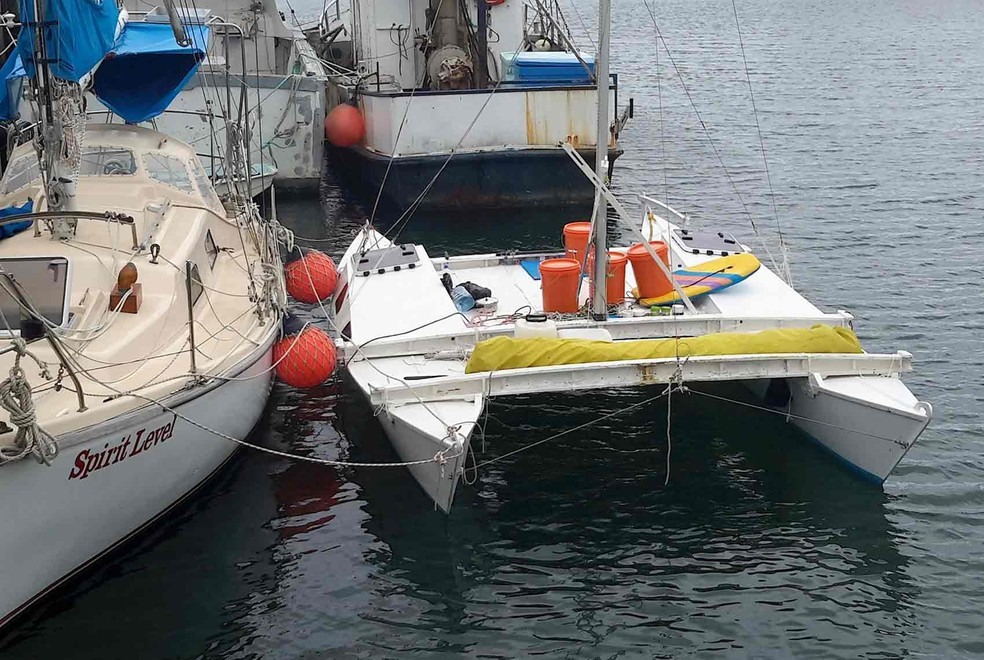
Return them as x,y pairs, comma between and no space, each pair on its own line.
760,546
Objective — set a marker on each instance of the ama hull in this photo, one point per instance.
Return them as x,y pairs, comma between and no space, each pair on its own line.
867,423
503,178
59,519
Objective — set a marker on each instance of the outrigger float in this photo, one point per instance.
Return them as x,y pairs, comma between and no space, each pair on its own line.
429,368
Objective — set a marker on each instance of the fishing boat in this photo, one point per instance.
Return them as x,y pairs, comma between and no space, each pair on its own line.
464,104
430,339
138,312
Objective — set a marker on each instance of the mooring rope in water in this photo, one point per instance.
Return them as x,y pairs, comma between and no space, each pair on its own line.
666,393
788,415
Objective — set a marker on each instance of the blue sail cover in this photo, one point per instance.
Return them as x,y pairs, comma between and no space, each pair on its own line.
78,35
12,78
147,68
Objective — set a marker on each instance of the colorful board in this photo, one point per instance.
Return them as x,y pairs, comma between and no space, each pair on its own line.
709,277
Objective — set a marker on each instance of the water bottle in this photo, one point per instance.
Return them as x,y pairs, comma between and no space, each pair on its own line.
462,299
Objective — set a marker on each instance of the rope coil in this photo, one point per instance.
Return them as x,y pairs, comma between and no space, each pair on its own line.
17,400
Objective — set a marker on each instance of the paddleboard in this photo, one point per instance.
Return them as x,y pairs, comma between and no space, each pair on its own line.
709,277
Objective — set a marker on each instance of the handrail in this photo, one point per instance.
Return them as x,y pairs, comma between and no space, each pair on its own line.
663,205
108,216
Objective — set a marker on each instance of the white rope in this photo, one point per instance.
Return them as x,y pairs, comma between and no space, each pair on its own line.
16,399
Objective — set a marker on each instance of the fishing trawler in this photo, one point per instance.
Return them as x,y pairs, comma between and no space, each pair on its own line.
139,312
699,307
465,104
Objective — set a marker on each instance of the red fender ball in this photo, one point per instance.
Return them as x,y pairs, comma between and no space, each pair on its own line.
344,126
311,278
307,359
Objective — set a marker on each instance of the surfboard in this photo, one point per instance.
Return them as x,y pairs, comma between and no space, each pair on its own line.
709,277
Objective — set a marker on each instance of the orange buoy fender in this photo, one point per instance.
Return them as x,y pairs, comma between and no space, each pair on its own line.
312,277
304,358
345,126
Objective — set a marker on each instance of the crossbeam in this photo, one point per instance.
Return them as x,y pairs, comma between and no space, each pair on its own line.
647,327
604,375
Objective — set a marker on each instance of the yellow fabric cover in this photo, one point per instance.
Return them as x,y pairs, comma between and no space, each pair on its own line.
502,353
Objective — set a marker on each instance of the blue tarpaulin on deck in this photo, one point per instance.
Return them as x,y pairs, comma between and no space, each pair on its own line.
78,33
6,231
147,68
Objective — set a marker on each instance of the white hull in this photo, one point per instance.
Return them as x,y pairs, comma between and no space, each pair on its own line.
259,182
418,433
290,127
868,423
59,519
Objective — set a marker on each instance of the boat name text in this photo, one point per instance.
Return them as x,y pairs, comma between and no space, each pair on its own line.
88,461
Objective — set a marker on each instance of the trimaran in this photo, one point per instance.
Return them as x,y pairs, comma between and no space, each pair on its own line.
429,369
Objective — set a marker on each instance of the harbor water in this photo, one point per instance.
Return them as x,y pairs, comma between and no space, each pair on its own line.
759,545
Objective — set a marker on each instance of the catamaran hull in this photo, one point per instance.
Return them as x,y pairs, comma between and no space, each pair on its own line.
59,519
868,423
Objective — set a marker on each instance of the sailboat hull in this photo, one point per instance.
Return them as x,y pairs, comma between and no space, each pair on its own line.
61,519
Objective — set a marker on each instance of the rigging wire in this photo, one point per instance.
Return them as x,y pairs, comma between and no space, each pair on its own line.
765,160
707,134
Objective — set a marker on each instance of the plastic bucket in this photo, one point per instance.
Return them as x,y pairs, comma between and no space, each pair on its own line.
576,235
615,287
650,279
559,279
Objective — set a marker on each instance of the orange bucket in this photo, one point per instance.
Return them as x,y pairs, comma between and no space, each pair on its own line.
615,287
559,279
576,235
649,277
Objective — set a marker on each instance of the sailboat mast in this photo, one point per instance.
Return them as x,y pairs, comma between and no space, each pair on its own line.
599,303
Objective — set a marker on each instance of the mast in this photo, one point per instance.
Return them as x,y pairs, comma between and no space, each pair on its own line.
599,303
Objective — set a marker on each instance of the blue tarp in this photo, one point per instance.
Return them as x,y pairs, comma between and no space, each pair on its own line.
147,68
6,231
11,78
78,35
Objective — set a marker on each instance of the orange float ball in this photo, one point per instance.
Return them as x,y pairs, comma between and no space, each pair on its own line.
344,126
311,278
307,359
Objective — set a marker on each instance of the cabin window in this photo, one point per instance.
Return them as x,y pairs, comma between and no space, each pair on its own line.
20,172
44,281
197,288
211,249
169,170
107,161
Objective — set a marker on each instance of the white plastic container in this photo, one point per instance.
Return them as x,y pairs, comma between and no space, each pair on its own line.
535,329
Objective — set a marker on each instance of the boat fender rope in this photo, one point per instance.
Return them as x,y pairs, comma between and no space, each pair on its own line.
16,398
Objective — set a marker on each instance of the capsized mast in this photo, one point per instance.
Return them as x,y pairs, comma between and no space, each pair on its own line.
599,303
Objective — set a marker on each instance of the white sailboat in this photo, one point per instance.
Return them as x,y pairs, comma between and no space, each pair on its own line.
428,368
138,314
